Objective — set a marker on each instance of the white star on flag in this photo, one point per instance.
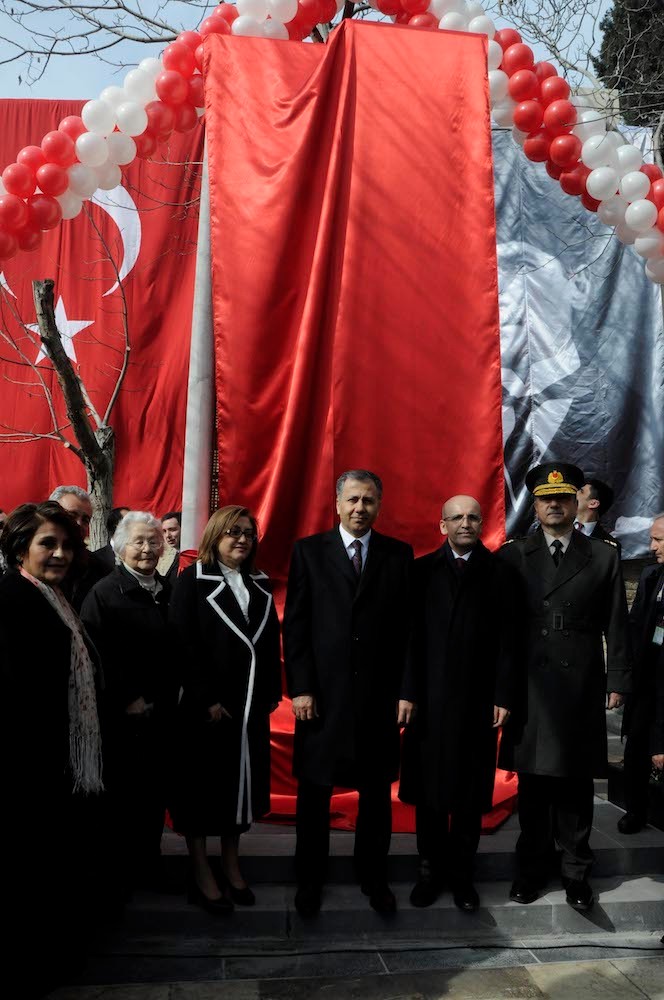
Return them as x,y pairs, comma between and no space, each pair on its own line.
68,329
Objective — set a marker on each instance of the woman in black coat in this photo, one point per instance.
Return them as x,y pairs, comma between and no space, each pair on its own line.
126,615
231,677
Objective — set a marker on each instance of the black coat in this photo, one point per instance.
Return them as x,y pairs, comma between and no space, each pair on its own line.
463,654
559,726
644,709
237,664
346,644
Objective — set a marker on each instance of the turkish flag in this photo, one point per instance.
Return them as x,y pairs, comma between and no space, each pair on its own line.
130,255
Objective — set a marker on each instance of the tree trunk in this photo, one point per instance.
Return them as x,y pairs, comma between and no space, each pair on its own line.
100,487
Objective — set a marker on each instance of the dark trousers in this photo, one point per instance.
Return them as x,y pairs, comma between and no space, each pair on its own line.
554,810
637,764
372,833
448,843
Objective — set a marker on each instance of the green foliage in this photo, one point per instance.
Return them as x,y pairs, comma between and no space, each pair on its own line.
631,58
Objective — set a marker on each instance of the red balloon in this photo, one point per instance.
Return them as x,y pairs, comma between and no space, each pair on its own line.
185,118
179,58
146,144
199,55
29,239
72,126
554,88
425,20
8,245
660,219
592,204
656,194
327,9
191,39
301,25
402,17
543,70
652,171
528,116
52,179
410,6
214,26
389,7
310,10
196,91
536,147
565,151
573,182
523,86
517,57
227,11
45,212
559,117
19,180
14,213
161,119
553,171
171,88
31,157
506,37
58,147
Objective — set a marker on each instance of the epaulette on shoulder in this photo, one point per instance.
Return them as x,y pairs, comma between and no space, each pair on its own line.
508,541
609,541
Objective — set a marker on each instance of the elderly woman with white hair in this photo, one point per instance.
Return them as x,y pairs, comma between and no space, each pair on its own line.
126,616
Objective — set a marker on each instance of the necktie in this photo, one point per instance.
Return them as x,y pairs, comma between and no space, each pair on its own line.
557,547
357,556
460,564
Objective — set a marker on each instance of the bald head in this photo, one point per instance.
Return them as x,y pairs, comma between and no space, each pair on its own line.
461,523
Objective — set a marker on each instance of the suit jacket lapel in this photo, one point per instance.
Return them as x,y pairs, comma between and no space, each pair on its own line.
578,555
540,561
372,565
222,597
339,557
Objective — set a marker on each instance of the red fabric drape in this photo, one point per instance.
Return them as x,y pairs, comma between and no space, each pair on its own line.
354,283
160,222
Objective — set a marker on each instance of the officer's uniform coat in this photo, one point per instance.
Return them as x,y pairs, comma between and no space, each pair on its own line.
559,728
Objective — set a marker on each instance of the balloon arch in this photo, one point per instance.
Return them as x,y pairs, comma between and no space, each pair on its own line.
49,183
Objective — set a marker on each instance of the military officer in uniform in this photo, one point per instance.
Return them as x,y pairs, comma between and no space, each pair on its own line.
573,597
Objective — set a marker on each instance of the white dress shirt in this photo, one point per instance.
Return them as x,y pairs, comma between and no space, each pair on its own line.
233,578
587,527
349,541
564,539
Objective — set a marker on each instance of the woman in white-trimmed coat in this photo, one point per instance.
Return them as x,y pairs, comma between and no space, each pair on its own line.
231,679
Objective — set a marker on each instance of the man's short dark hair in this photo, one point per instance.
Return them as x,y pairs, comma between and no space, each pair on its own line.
362,476
600,491
114,518
177,514
24,522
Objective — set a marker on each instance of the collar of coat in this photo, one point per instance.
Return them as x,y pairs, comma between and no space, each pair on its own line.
338,557
578,555
129,583
222,601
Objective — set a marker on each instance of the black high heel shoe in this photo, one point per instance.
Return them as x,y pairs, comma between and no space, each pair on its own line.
242,897
219,907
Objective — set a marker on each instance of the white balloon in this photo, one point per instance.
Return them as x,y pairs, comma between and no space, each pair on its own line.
252,8
589,123
475,9
82,180
503,112
519,136
113,96
440,7
151,67
634,186
494,55
655,270
612,211
70,204
132,118
109,176
651,244
140,87
275,29
498,85
91,149
98,117
625,234
641,215
629,158
602,183
247,27
482,25
121,148
597,151
615,138
453,21
282,10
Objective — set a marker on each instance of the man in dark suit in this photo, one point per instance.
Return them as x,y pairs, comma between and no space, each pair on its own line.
106,554
346,628
463,658
647,629
573,597
594,499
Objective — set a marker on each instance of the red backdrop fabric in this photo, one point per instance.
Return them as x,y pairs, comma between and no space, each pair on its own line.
354,291
158,221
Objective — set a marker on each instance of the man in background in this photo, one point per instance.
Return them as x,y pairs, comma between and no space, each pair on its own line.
78,504
106,554
594,499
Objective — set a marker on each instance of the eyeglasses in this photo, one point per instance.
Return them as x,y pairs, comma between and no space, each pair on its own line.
238,532
141,543
458,518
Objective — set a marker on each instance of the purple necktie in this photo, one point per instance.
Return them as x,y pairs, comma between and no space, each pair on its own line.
357,557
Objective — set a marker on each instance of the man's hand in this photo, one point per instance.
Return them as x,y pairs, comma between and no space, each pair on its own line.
304,707
217,712
406,711
500,716
136,707
615,700
658,761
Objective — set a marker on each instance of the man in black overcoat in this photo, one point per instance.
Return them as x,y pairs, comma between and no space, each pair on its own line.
594,499
573,597
346,628
647,630
463,656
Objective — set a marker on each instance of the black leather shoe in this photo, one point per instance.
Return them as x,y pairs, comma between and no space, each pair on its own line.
465,896
523,891
381,897
425,891
307,899
578,894
241,897
630,823
218,907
